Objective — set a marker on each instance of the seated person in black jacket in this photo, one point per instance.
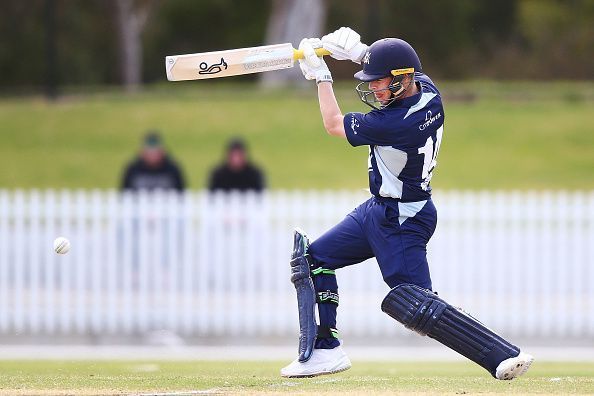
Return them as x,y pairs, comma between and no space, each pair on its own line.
153,168
236,172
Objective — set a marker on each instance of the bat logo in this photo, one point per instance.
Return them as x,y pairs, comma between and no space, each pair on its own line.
212,69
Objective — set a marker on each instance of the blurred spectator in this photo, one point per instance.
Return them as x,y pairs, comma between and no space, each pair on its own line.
236,172
153,168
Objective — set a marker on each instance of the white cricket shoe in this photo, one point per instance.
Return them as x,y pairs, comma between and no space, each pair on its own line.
322,361
514,367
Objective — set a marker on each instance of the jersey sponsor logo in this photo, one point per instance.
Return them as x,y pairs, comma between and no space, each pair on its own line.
429,119
354,124
366,58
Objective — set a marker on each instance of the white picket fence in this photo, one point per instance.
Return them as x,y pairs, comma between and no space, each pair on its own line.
207,265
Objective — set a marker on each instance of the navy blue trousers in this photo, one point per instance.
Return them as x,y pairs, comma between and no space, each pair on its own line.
376,228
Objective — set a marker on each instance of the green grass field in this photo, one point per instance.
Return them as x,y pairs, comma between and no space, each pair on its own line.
497,136
124,377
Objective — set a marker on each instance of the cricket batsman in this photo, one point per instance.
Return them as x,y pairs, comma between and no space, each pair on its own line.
403,130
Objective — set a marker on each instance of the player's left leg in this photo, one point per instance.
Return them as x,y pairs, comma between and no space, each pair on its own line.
421,310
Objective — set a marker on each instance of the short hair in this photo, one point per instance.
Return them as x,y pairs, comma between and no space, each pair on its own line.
236,143
152,139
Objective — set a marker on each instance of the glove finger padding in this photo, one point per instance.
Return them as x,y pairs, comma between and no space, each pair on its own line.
348,38
330,42
304,65
345,44
305,70
309,54
312,66
315,42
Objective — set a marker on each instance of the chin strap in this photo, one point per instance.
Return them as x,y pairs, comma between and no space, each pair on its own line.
365,94
402,90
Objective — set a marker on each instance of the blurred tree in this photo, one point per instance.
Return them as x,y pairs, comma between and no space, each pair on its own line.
132,16
289,22
451,36
82,45
22,38
51,82
558,37
511,39
182,26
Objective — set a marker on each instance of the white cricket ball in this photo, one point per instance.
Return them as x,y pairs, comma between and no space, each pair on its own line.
61,245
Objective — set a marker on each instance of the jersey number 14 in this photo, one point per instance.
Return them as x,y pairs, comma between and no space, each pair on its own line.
429,151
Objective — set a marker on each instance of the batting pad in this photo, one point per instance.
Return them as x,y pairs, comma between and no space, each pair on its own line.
423,311
306,296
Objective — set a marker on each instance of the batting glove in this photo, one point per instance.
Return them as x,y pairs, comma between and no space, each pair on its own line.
345,44
312,66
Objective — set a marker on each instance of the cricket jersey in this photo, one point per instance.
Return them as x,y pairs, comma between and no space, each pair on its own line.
403,140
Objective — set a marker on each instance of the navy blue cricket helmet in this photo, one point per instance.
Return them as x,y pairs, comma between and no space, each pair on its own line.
386,56
389,57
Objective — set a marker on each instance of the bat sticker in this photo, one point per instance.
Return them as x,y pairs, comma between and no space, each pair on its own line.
212,69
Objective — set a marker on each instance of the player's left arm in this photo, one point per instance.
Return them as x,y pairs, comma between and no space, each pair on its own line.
314,68
331,115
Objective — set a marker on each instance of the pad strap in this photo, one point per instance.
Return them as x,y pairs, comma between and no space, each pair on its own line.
327,332
327,297
322,271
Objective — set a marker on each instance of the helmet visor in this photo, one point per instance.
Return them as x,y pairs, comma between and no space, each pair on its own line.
366,77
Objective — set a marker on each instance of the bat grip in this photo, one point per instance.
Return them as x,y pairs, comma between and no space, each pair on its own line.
298,54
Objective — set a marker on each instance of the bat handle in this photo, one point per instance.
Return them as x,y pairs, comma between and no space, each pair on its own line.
298,54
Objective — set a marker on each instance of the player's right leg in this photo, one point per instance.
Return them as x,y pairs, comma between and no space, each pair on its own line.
343,245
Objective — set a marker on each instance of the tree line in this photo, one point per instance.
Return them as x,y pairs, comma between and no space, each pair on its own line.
46,43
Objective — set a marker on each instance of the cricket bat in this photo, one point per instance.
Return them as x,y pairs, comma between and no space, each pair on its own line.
233,62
